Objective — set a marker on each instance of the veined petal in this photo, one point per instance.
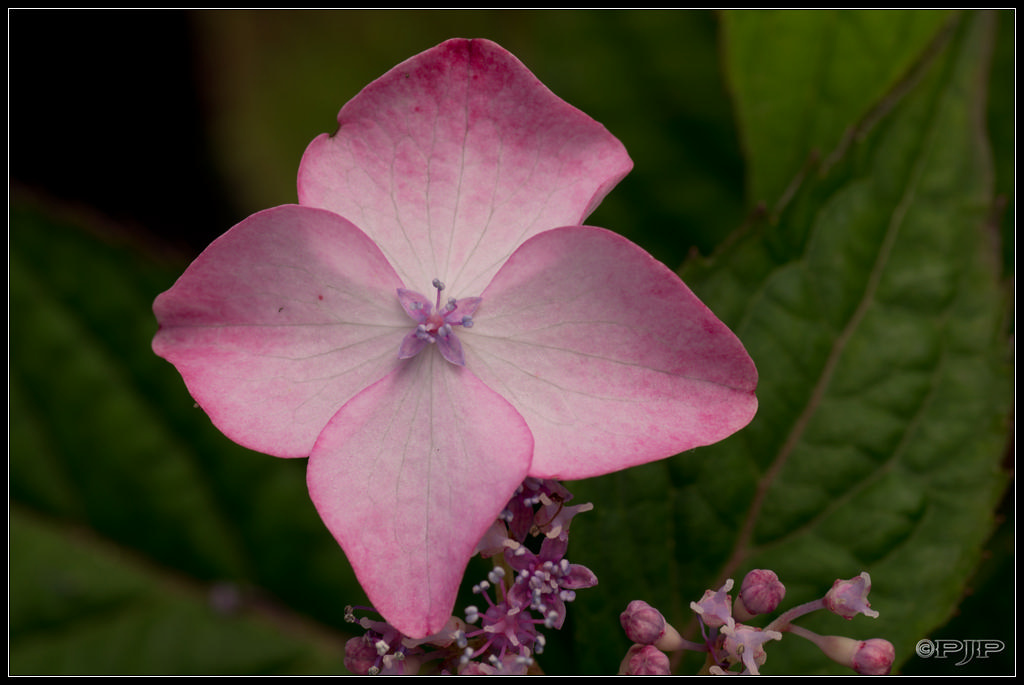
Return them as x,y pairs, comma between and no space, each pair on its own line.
279,322
409,476
453,158
608,356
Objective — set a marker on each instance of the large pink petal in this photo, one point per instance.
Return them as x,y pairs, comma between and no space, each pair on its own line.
455,157
279,322
409,476
608,356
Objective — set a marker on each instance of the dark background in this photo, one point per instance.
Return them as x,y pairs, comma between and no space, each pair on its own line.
105,112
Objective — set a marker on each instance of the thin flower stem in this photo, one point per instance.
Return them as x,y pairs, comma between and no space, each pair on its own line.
694,646
782,623
804,633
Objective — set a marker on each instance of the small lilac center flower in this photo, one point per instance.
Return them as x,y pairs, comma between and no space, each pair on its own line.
434,323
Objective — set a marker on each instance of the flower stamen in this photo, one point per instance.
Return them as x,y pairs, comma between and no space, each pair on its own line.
434,323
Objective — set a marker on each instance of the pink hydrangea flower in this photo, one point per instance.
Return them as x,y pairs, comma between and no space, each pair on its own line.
565,351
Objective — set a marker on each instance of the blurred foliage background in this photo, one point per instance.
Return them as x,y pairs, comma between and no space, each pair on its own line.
142,541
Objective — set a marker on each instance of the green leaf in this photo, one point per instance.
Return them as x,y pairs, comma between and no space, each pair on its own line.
873,309
82,606
801,78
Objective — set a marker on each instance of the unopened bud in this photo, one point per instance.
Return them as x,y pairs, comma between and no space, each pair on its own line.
643,623
874,657
644,660
360,655
867,657
761,592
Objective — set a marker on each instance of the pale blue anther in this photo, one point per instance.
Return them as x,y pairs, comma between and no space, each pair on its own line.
423,334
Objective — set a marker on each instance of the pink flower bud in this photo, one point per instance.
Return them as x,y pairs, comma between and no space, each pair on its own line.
360,655
874,657
761,592
867,657
643,623
644,660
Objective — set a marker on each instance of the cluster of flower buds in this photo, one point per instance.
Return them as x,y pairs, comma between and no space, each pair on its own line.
733,646
531,581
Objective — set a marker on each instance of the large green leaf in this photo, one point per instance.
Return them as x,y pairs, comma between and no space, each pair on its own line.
801,78
873,310
81,605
